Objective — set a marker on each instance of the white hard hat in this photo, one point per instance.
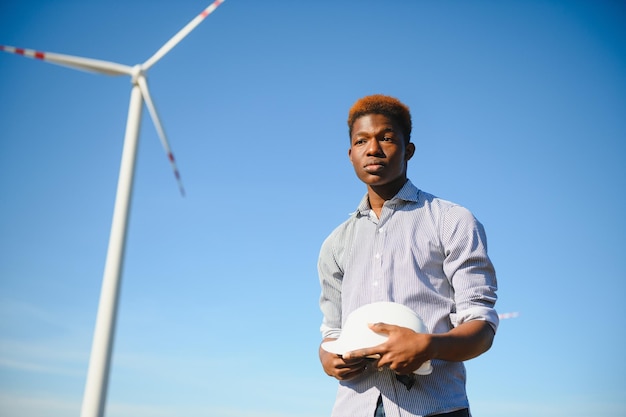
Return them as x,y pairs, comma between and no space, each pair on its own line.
356,333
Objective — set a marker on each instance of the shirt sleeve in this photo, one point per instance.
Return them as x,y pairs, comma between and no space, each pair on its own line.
468,267
330,275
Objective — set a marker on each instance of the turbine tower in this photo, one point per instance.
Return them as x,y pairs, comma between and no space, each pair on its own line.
94,398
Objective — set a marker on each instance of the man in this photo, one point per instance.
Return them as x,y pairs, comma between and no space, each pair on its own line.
407,246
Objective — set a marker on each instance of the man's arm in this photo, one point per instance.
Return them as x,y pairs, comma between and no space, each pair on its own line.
464,342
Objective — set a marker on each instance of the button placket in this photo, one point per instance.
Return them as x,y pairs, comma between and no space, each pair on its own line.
378,255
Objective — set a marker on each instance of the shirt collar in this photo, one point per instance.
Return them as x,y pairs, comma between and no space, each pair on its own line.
408,193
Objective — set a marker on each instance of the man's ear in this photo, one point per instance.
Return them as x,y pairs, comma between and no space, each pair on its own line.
410,151
350,153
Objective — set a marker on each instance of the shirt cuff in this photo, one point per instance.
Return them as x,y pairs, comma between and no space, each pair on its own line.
476,313
329,332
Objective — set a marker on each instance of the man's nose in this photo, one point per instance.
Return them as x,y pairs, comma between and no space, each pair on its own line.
374,148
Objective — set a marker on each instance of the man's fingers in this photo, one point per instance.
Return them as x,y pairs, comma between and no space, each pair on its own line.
376,351
370,353
351,370
381,327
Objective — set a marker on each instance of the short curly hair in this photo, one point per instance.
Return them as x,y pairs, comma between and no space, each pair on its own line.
388,106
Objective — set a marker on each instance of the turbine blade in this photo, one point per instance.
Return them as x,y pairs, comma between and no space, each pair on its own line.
143,86
180,35
84,64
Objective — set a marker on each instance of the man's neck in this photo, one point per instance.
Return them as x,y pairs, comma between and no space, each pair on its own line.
378,195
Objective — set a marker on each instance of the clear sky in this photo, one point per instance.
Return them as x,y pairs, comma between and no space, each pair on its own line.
519,112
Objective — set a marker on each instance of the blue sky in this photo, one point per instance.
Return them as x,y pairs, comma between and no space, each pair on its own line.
518,110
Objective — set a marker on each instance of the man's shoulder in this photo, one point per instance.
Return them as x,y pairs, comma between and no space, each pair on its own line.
446,211
440,210
426,199
421,198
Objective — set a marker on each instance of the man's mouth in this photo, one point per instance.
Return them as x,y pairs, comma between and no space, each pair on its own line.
374,166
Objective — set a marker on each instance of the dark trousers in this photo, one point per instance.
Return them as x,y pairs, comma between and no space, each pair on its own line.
380,412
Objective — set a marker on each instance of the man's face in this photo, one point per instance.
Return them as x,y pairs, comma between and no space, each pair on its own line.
378,151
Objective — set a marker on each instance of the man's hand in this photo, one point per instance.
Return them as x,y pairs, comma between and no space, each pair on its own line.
340,367
405,350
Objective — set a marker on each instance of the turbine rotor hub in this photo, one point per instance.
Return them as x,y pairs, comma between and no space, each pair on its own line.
138,71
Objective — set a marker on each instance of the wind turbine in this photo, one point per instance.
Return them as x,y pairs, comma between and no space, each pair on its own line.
511,315
99,363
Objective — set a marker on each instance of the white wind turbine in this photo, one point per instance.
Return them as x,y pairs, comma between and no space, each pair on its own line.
99,364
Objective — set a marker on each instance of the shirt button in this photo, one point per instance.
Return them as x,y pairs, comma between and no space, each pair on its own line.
378,256
375,283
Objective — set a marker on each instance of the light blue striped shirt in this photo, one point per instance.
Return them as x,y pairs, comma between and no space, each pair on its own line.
424,252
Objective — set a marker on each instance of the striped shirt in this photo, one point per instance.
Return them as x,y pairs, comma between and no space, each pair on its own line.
424,252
